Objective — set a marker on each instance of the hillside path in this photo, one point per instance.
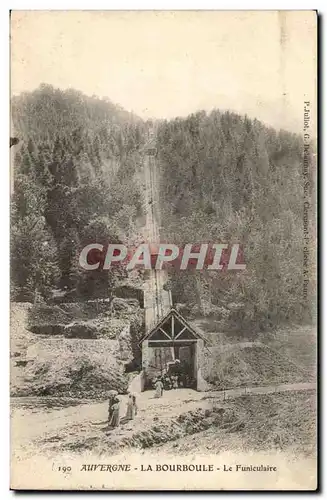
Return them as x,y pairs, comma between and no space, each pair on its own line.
32,426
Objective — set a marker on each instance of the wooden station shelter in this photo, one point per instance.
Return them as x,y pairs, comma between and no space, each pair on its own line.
173,342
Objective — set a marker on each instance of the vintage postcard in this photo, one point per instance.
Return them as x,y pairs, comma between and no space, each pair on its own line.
163,250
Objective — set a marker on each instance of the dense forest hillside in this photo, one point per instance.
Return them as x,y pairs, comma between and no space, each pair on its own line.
229,179
224,178
75,182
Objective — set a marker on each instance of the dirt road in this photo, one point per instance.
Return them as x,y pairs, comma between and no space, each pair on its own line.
41,428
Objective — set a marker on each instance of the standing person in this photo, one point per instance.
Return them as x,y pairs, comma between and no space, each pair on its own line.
112,395
131,407
166,383
114,422
159,388
134,405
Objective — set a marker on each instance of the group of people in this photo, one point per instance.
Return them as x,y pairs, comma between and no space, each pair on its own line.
114,409
167,382
172,382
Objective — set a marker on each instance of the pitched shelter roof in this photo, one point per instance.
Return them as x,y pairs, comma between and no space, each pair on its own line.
178,328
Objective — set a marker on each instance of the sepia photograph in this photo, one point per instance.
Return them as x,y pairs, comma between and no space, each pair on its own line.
163,250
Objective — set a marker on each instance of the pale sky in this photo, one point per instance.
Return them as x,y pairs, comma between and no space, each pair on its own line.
167,64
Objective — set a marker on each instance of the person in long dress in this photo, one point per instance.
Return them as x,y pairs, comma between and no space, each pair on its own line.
112,396
131,407
134,404
175,381
115,420
159,388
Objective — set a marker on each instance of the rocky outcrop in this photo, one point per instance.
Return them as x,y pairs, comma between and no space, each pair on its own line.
78,368
75,349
